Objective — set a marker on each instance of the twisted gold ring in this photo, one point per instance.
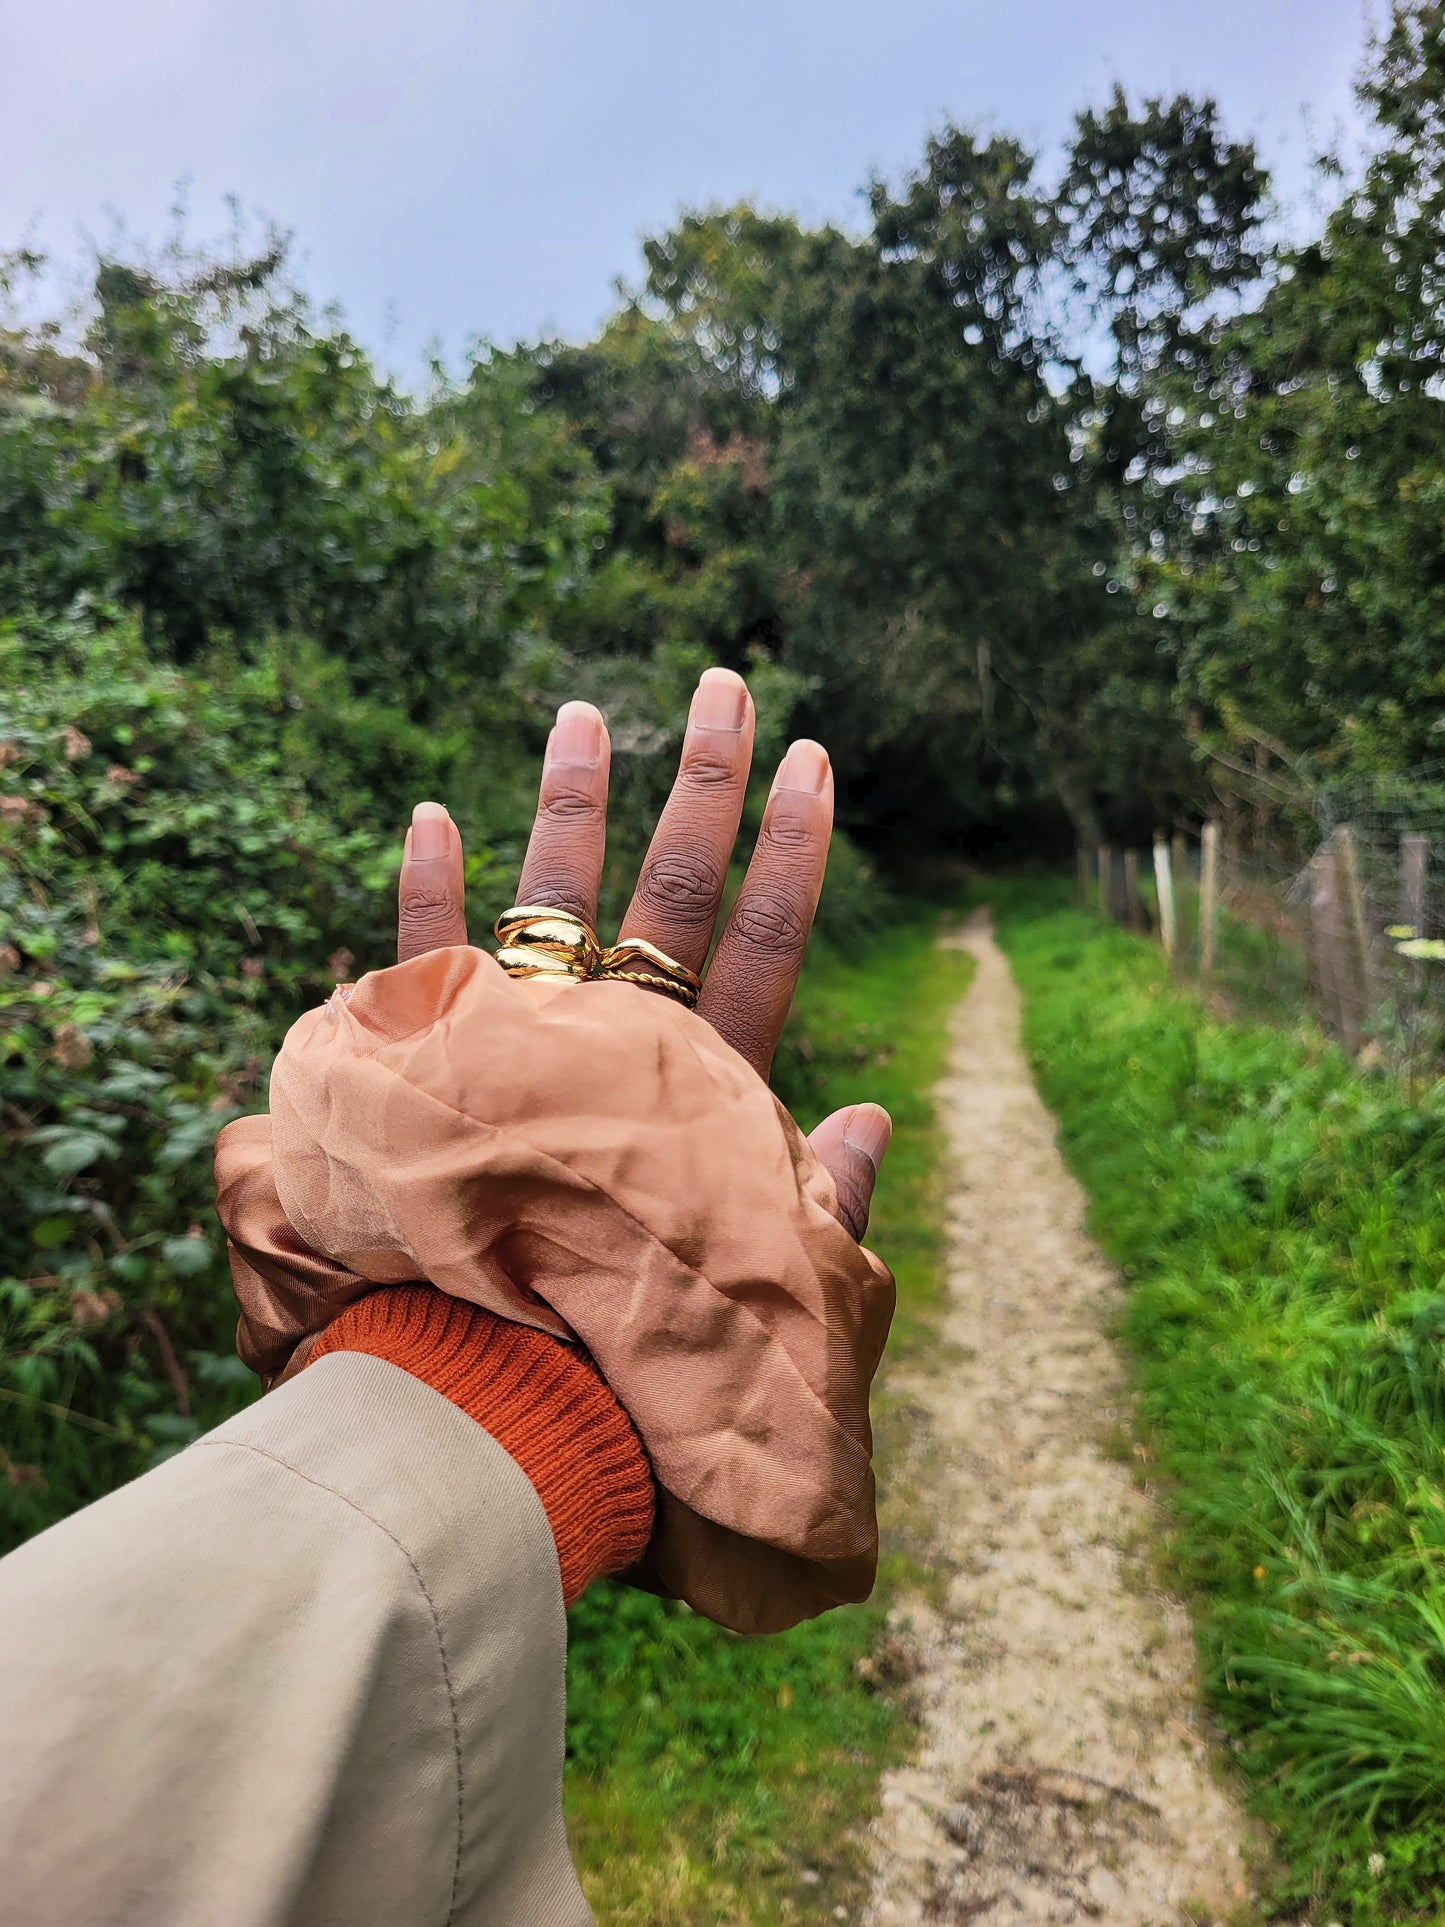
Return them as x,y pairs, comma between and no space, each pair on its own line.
536,941
633,960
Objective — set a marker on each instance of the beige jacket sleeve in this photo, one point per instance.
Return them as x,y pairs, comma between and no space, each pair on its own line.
310,1670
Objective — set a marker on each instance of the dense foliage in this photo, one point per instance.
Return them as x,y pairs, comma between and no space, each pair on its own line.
170,894
1037,481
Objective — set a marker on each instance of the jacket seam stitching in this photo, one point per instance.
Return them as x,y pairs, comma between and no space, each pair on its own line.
244,1445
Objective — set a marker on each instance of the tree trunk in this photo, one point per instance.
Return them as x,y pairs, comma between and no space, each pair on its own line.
1078,802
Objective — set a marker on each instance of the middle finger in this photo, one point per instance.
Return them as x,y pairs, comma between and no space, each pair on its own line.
563,865
682,879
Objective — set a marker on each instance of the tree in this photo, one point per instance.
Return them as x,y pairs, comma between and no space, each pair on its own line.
1303,528
215,460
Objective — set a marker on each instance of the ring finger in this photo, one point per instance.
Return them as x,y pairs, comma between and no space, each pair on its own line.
748,990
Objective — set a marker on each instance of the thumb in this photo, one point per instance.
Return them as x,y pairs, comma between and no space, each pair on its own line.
851,1145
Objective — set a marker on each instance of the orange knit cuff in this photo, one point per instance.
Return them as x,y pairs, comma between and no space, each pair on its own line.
543,1403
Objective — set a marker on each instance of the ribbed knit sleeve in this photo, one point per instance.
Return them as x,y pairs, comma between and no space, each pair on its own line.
544,1405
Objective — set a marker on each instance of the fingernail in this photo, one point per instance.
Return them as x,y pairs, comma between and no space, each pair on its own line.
578,735
721,701
430,833
869,1129
805,768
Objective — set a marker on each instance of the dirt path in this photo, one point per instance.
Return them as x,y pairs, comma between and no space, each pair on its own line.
1062,1776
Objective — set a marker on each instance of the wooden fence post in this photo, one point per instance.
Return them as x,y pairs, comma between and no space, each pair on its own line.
1208,902
1414,875
1179,868
1321,955
1106,880
1414,866
1135,917
1164,879
1331,944
1359,925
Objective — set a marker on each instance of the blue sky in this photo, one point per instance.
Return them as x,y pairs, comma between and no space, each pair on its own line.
463,167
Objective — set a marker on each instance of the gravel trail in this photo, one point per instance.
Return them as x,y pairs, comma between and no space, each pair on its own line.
1065,1772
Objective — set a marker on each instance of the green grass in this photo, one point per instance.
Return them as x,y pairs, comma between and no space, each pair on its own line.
714,1779
1278,1217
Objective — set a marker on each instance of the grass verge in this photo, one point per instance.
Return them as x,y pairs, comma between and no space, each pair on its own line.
1278,1217
720,1781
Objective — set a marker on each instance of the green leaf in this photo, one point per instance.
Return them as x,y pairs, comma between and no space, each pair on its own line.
192,1139
169,1428
188,1256
72,1151
223,1372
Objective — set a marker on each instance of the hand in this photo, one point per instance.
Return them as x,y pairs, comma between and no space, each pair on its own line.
748,989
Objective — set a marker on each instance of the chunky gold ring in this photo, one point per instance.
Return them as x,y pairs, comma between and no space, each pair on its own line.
540,942
633,960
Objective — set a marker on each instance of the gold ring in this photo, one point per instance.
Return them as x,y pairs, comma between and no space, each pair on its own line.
633,960
540,942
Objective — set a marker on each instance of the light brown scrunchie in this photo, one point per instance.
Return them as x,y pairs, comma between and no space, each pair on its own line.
600,1164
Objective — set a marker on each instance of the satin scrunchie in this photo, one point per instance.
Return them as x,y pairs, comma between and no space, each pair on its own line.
600,1164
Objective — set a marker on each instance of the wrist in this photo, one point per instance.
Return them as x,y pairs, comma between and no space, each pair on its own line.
542,1402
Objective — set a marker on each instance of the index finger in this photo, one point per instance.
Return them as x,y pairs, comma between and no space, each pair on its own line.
430,894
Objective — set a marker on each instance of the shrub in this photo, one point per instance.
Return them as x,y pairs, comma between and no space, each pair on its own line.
169,895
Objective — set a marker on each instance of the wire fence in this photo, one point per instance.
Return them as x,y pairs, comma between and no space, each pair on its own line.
1331,910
